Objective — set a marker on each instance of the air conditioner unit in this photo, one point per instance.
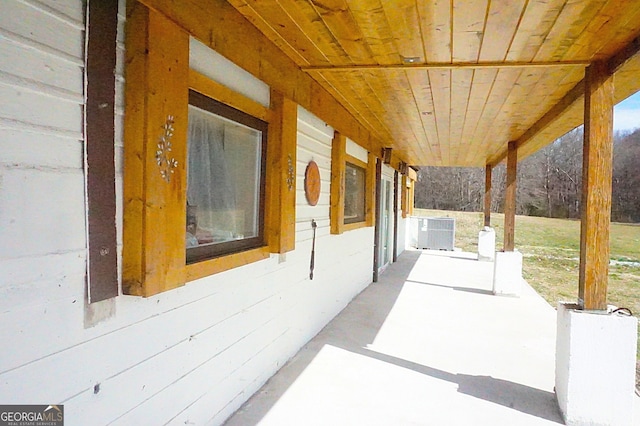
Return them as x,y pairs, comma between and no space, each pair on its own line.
436,233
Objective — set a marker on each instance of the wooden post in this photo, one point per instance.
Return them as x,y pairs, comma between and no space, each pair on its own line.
510,198
487,195
597,159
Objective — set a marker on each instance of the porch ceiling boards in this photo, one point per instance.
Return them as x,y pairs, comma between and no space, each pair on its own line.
450,83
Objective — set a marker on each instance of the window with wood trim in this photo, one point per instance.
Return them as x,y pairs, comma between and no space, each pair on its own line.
352,188
225,179
182,220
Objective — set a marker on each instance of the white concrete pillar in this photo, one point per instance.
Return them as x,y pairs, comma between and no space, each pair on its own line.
595,366
507,273
487,244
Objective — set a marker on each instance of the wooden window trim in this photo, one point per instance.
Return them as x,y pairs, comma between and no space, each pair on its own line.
214,90
370,191
339,159
370,196
158,80
156,106
280,213
338,169
356,161
355,225
209,267
412,174
412,196
404,193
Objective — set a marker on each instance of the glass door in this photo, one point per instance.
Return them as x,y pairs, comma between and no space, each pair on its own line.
386,225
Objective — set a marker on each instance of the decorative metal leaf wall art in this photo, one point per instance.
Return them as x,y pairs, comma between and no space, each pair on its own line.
165,161
291,177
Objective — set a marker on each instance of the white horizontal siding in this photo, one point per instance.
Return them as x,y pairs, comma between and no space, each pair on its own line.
70,12
20,147
42,219
51,28
189,356
314,144
40,109
50,217
37,66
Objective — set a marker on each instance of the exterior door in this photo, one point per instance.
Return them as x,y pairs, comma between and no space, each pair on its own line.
385,243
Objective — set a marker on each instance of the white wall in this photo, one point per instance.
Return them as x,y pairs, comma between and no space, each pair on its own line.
189,356
42,229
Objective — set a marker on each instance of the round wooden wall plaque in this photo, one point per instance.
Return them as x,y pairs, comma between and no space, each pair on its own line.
312,183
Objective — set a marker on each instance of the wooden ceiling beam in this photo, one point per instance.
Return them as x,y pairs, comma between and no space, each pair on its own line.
445,66
614,63
573,95
625,54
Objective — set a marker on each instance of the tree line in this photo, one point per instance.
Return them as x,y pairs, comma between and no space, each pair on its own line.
549,182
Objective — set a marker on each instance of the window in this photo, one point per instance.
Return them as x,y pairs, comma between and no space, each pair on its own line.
225,179
353,184
354,199
195,156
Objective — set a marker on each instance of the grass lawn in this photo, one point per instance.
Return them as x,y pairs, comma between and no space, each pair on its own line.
551,250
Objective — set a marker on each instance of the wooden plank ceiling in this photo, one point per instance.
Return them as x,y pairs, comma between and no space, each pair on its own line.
450,83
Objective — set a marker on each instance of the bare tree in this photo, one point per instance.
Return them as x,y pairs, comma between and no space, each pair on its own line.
626,178
549,181
450,188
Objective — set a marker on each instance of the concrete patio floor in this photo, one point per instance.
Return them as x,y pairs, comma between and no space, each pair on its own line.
426,345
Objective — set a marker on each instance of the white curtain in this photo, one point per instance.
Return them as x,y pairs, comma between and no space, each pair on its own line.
211,193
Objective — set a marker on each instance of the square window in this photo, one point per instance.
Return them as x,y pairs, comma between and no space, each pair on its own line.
354,198
225,179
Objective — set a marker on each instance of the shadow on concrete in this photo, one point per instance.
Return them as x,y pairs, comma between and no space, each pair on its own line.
465,289
358,325
516,396
450,254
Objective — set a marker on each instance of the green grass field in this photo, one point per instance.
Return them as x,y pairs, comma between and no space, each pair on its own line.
551,250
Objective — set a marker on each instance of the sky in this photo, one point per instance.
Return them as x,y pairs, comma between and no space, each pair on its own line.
626,115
